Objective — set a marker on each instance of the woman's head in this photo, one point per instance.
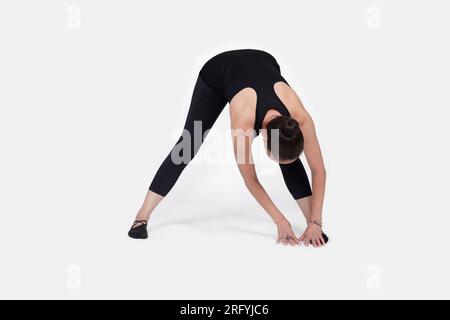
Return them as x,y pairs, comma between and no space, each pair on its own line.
284,140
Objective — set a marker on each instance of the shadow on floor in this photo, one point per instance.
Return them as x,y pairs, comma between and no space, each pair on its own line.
198,220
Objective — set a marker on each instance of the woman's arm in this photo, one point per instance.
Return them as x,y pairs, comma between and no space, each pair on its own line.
313,233
242,135
315,162
311,147
244,159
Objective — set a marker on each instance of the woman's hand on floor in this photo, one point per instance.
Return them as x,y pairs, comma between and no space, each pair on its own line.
285,234
313,236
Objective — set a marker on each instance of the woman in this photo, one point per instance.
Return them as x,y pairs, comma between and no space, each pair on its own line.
260,101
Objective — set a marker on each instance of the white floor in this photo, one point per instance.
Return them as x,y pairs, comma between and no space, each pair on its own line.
207,243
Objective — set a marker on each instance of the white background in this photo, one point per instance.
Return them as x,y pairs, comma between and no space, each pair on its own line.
92,91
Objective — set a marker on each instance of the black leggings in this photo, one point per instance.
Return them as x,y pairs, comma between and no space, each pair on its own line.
206,106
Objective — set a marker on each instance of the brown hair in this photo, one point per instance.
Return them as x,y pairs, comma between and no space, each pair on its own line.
290,137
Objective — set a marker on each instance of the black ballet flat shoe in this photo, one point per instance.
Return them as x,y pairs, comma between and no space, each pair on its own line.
138,232
325,237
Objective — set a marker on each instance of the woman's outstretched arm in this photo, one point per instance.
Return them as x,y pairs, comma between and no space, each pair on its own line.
315,162
313,233
242,135
311,147
313,154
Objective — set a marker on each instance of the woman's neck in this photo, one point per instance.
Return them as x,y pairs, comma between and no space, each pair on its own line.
270,114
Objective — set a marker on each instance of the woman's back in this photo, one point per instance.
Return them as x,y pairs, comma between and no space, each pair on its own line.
230,72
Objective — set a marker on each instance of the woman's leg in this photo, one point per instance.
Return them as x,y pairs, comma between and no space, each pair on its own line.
305,207
296,179
206,106
150,202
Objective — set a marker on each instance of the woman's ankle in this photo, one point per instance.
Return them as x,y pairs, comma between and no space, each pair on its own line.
142,215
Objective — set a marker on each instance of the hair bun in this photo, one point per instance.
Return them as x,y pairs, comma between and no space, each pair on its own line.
291,124
290,128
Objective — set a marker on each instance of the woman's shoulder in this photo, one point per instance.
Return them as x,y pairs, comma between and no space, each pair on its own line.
291,100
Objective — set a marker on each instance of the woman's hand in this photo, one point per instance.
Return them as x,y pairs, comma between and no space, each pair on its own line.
313,235
285,234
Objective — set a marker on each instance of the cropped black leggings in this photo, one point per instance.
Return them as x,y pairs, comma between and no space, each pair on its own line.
206,106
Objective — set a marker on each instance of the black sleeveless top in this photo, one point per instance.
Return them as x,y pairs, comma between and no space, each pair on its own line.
231,71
